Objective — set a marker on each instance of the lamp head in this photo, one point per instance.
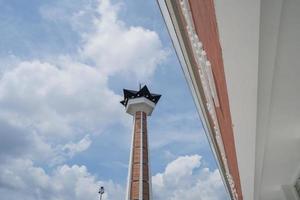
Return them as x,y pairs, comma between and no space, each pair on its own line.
101,190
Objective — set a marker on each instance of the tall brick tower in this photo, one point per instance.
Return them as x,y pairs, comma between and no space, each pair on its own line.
139,104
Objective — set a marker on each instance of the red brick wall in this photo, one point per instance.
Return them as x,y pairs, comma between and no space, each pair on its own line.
140,118
203,13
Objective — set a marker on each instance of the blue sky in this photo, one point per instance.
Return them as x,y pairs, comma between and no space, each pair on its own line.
63,67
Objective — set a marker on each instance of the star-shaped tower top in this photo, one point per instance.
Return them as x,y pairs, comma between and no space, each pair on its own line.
143,92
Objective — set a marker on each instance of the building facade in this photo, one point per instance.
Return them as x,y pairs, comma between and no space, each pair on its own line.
241,61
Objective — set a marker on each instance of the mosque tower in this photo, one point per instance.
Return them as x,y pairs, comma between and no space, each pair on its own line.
139,104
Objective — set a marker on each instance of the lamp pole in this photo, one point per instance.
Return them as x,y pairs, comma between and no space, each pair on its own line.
101,192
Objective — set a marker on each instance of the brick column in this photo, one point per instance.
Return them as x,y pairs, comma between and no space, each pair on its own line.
140,177
139,104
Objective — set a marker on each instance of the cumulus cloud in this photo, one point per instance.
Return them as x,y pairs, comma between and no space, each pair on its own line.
14,140
62,99
107,42
184,178
72,148
117,48
51,98
17,141
50,104
20,179
45,104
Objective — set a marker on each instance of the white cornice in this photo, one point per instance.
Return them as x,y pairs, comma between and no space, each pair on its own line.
140,104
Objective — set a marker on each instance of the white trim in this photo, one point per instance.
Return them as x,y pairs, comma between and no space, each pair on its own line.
139,104
129,177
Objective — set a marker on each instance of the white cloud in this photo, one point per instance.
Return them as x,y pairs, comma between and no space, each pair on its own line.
58,102
62,99
53,97
48,103
184,178
20,179
107,42
17,141
116,48
72,148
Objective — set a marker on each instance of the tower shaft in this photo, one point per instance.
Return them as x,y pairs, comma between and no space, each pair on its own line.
139,104
139,183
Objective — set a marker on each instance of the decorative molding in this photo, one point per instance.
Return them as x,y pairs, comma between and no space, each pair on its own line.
208,84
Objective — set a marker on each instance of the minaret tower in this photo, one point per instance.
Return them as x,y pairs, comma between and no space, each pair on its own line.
139,104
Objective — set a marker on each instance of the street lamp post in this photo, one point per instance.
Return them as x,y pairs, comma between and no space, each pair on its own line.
101,192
